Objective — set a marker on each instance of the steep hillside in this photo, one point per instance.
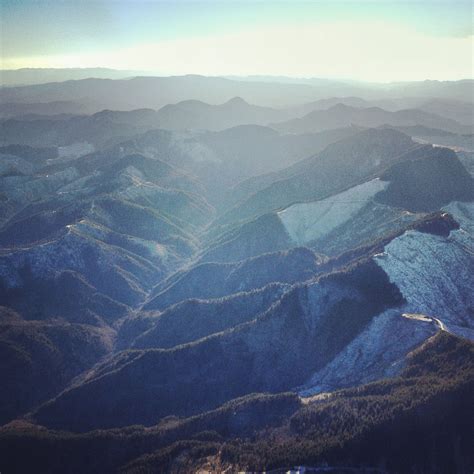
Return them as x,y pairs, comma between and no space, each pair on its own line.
277,351
314,208
213,280
38,358
428,183
391,426
249,150
340,166
194,319
439,280
394,425
249,186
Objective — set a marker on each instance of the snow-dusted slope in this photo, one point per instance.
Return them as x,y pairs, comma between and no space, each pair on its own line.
436,274
306,222
114,271
379,351
463,212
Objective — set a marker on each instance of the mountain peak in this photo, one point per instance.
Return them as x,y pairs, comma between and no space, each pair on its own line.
236,101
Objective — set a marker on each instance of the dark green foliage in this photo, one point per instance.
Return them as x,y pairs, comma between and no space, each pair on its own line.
38,227
263,235
105,451
68,296
38,358
194,319
215,280
420,422
427,183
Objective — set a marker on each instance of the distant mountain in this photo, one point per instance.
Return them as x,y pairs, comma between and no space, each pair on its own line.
19,109
156,92
316,142
106,126
99,129
324,104
29,76
342,115
452,90
219,159
199,115
248,151
460,111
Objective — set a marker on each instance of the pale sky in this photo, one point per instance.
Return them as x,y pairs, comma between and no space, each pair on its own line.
373,41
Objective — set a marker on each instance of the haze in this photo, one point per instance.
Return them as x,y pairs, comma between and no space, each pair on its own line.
386,41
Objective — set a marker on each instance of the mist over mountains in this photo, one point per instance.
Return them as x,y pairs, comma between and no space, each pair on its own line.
155,92
214,274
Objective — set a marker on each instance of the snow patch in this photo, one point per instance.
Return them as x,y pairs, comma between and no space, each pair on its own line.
73,151
306,222
378,352
436,274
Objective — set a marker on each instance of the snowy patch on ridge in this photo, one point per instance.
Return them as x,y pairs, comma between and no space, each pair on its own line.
436,274
306,222
463,213
378,352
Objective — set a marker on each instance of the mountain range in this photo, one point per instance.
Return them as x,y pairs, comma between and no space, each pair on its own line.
269,279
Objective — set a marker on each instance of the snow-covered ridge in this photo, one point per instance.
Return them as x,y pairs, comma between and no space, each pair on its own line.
436,274
306,222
